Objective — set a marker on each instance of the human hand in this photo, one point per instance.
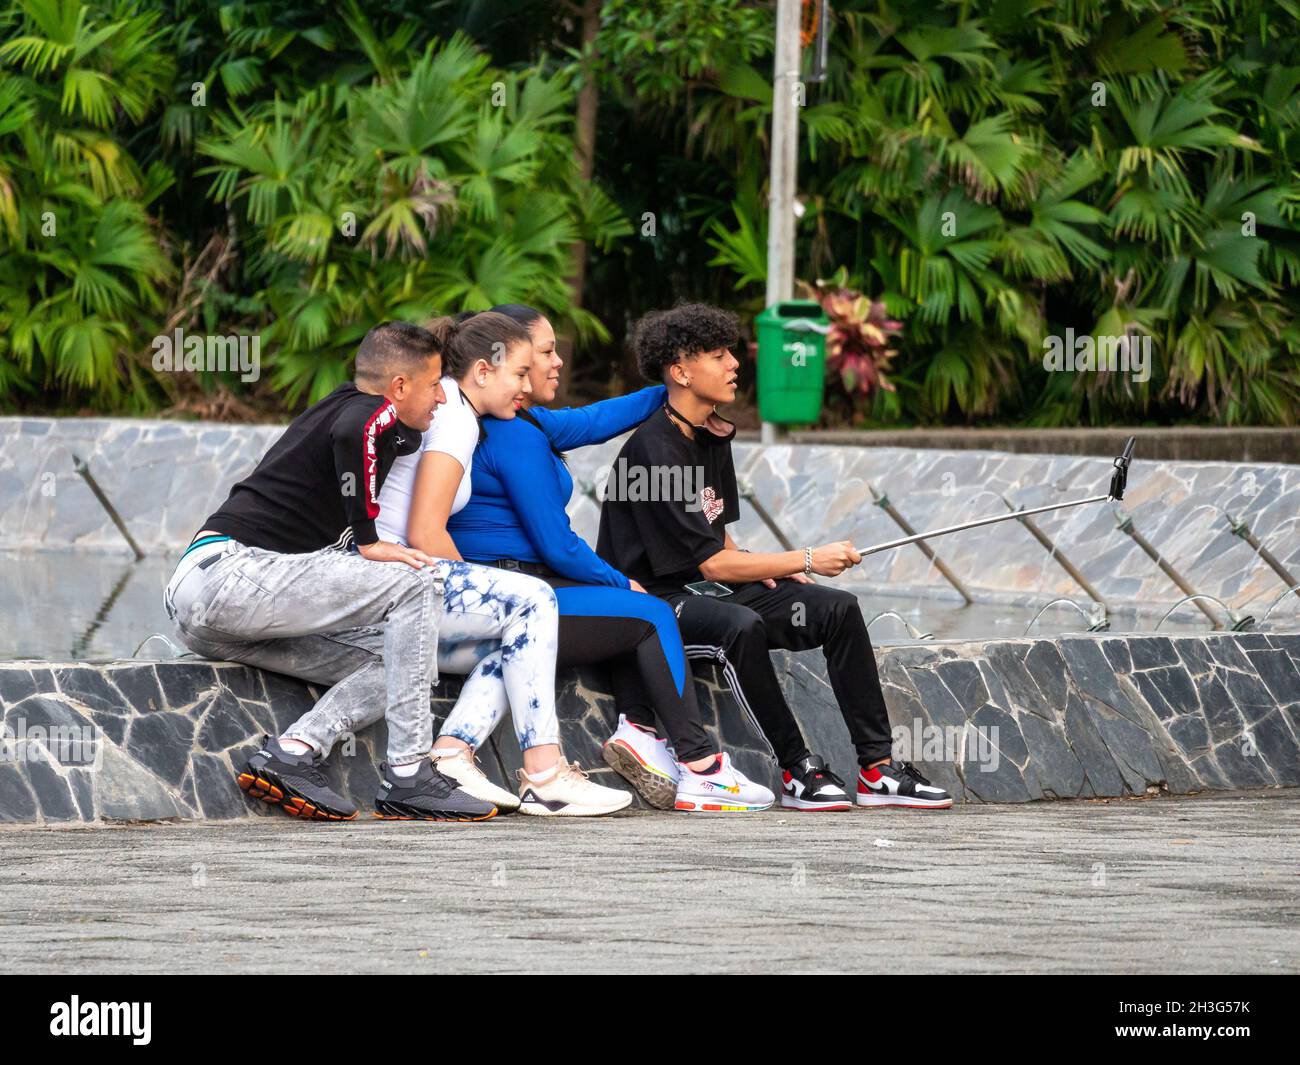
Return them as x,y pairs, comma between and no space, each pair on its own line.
830,560
383,551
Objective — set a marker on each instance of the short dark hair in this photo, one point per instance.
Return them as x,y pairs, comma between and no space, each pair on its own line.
662,338
391,348
470,337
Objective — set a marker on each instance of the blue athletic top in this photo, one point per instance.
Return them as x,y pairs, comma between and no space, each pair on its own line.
521,488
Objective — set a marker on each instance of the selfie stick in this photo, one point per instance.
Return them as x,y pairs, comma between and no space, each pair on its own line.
1118,482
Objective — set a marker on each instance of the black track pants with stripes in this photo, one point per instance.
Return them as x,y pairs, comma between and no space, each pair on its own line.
636,634
740,630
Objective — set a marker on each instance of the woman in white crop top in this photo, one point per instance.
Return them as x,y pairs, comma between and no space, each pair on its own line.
442,462
499,628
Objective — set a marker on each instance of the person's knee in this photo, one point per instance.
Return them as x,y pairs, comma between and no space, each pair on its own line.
840,615
542,600
412,582
659,612
747,626
841,603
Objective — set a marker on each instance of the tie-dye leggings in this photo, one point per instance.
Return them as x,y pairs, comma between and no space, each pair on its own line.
636,635
497,627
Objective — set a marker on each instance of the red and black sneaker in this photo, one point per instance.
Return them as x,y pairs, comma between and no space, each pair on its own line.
809,785
899,784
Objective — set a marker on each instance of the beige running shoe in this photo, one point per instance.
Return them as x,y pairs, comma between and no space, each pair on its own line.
568,794
462,767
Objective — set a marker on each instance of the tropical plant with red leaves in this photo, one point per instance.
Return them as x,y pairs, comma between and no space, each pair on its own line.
857,345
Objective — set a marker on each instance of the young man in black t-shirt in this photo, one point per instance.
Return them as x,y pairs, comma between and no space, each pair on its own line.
268,581
671,494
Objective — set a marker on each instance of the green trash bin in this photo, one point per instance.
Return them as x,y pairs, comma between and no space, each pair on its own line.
791,362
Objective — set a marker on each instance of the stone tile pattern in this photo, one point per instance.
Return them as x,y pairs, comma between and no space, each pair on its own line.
162,477
165,477
171,736
1075,717
1082,717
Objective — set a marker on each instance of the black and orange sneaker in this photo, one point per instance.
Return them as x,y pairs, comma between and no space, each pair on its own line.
427,796
295,783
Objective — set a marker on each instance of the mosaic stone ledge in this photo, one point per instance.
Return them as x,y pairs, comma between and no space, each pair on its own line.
169,735
1081,717
1029,719
165,477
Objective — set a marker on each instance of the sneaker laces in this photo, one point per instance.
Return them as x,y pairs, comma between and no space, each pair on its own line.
312,773
825,774
909,770
822,773
465,754
315,775
442,784
576,774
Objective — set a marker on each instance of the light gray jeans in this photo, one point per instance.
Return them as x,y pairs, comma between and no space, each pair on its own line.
499,629
283,612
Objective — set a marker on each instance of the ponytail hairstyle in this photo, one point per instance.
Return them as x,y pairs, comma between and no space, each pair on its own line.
468,337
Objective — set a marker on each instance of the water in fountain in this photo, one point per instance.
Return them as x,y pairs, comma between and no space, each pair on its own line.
965,515
1086,615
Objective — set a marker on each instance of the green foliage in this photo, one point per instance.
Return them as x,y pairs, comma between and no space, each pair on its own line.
1000,173
458,200
988,174
79,256
325,188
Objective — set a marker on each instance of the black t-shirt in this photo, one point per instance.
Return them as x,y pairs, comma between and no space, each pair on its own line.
318,485
667,504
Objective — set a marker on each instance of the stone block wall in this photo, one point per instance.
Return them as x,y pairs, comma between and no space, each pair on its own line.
992,721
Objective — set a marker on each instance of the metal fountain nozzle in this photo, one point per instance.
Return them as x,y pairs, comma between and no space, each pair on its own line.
1119,479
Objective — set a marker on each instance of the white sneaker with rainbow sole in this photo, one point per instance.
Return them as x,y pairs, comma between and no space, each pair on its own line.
726,790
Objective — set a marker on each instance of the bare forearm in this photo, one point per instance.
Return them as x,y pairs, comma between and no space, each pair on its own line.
732,565
436,543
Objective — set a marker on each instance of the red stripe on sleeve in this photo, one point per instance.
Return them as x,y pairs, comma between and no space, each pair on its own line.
382,420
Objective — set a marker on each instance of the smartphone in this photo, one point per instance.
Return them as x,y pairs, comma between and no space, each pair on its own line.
712,588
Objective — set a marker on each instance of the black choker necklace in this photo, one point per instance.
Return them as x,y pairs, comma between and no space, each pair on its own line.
482,429
703,434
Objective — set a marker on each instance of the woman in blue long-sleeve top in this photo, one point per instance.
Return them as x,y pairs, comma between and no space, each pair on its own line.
516,519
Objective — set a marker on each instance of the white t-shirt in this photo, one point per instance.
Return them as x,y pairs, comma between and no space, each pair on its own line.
454,432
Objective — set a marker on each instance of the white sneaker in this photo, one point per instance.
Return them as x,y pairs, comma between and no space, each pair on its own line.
645,761
462,767
727,790
568,794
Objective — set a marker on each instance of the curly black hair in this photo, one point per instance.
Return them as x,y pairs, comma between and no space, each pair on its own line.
662,338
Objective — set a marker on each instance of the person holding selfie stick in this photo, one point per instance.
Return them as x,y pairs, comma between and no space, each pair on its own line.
733,605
